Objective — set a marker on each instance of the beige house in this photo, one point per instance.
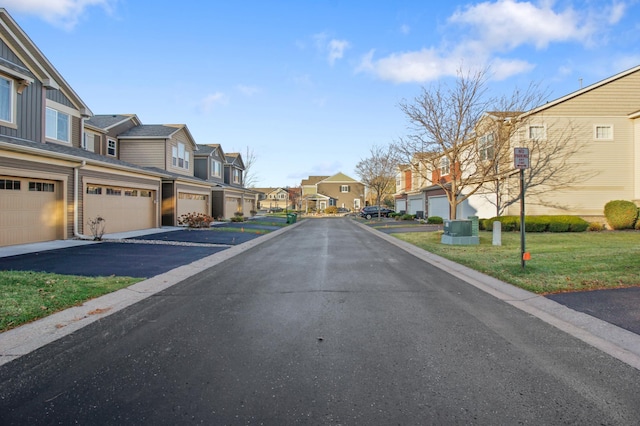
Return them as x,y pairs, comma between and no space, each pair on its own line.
598,125
340,190
274,198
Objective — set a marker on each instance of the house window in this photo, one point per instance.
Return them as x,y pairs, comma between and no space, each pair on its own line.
180,156
111,147
57,125
236,176
537,132
11,185
96,190
445,166
603,132
344,188
486,146
6,100
216,168
41,187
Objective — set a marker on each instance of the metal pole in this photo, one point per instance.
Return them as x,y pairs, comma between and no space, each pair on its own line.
522,227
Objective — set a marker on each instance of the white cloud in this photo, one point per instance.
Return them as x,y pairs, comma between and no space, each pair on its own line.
210,101
248,90
61,13
333,48
507,24
405,29
486,32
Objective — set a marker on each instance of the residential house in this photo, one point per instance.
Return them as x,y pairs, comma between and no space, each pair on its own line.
168,148
340,190
47,178
598,124
273,198
224,172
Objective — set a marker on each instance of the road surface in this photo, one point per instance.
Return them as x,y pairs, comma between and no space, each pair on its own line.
326,324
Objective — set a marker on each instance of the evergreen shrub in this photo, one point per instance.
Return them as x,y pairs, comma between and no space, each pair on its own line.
621,214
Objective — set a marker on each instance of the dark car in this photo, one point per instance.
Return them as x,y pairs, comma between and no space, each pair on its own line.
373,211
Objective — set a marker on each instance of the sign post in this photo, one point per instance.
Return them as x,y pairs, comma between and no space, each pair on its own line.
521,161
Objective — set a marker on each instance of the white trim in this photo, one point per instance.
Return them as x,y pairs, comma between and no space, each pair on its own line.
595,132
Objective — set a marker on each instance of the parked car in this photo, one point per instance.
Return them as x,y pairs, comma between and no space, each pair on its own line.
373,211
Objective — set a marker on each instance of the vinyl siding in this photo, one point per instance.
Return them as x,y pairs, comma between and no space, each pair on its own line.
179,137
145,153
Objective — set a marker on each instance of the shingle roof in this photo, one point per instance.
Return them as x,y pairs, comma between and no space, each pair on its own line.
104,121
149,130
54,148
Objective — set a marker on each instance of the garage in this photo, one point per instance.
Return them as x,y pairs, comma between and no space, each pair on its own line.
232,205
439,206
31,210
416,204
123,208
190,202
401,205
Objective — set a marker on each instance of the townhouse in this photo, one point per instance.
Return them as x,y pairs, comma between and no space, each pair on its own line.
61,165
340,190
585,151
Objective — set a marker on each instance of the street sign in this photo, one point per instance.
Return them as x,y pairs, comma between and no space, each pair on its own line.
521,158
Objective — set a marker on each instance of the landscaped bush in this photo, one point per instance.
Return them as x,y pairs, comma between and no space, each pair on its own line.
238,217
434,220
560,223
407,216
621,214
195,220
638,220
331,210
595,227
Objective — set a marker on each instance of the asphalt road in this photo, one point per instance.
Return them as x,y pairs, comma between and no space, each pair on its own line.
324,324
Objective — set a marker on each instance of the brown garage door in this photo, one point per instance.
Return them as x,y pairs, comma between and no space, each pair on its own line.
123,209
31,210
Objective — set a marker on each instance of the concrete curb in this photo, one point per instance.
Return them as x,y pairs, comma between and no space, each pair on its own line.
611,339
29,337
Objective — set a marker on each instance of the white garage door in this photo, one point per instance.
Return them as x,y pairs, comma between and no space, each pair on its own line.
123,209
401,205
439,206
415,205
31,210
192,203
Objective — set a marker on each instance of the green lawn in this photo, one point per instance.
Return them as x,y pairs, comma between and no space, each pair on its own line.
559,261
27,296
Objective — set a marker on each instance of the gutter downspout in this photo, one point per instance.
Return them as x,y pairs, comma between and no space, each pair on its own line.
76,184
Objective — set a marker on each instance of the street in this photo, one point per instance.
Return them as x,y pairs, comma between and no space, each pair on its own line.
325,324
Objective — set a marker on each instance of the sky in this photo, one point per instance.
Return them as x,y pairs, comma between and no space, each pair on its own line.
309,86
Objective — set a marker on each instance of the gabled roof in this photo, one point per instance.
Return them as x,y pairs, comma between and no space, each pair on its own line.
208,149
37,63
584,90
235,159
338,177
312,180
157,131
108,121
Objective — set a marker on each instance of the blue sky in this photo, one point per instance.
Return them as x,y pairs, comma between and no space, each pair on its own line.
308,85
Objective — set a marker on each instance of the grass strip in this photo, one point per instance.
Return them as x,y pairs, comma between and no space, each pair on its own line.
27,296
560,262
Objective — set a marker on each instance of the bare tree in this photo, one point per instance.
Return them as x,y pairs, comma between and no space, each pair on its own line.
463,141
250,176
378,171
442,122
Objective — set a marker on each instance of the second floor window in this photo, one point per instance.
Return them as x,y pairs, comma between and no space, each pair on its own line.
537,132
486,146
445,166
236,176
216,168
603,132
111,147
344,188
57,125
6,99
180,156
